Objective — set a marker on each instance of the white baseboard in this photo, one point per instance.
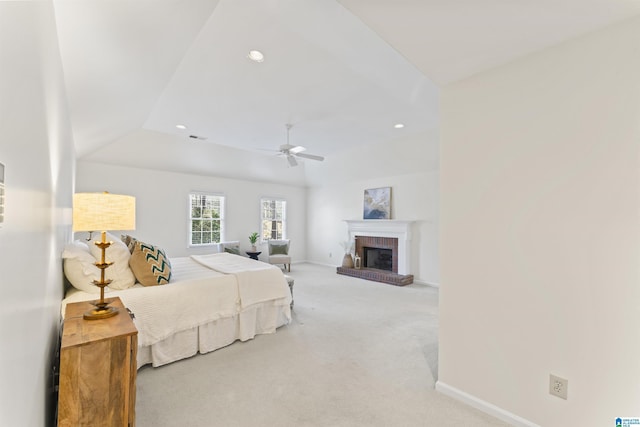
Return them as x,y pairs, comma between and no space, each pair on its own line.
425,283
322,264
483,406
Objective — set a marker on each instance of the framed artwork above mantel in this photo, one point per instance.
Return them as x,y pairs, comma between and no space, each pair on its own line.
377,203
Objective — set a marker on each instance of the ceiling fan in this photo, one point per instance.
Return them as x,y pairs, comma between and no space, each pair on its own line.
293,151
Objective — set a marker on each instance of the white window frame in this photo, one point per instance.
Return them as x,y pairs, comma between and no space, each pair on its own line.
263,218
222,198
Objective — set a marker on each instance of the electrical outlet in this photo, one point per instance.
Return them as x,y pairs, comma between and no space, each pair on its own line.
558,386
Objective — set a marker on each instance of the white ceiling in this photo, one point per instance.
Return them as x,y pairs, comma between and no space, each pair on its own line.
342,72
449,40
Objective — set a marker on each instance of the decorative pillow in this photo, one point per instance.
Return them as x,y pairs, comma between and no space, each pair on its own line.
232,250
130,241
120,274
282,249
150,265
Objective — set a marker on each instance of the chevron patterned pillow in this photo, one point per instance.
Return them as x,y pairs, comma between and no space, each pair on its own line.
150,265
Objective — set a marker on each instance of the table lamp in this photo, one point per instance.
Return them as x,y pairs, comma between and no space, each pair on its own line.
103,212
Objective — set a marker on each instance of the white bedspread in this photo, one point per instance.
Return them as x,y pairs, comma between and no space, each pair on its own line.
196,295
257,281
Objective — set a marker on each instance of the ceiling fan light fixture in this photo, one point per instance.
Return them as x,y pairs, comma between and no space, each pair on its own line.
256,56
292,151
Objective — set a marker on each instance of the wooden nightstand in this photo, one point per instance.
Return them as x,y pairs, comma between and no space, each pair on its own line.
97,369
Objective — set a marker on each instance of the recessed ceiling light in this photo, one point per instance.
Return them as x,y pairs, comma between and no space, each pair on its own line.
398,125
256,55
181,126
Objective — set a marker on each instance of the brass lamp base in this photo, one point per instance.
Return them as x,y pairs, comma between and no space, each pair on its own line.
102,310
100,313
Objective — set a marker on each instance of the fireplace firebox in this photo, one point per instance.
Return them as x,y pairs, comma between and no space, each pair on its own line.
379,258
378,252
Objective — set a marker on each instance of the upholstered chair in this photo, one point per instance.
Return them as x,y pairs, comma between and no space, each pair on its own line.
232,247
279,253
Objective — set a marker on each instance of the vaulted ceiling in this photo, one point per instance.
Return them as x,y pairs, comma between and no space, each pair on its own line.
342,72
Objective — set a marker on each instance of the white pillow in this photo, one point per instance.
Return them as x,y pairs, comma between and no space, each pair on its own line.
75,248
120,273
116,253
79,267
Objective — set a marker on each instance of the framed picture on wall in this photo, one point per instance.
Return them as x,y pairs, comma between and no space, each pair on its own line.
377,203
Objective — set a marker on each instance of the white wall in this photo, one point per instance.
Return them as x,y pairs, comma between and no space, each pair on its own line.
162,207
37,151
409,166
540,248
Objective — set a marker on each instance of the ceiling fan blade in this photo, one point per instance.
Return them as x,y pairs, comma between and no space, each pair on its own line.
310,156
293,151
297,149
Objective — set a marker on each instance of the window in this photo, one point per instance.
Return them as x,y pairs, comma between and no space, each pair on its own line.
273,219
206,219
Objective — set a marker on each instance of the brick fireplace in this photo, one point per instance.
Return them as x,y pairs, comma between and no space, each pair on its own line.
384,247
378,252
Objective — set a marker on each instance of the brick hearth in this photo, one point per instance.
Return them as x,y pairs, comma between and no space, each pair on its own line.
377,275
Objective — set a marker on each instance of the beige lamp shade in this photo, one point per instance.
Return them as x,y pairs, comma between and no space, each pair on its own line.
103,212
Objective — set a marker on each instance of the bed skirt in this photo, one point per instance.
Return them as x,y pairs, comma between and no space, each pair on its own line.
257,319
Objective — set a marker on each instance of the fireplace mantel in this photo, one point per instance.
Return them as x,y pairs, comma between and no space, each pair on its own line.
386,228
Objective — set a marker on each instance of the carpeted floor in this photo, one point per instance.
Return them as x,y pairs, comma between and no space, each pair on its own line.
357,353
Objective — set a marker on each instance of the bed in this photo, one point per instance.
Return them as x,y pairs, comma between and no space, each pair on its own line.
209,302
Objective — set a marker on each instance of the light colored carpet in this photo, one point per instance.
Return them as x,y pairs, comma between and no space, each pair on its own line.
357,353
